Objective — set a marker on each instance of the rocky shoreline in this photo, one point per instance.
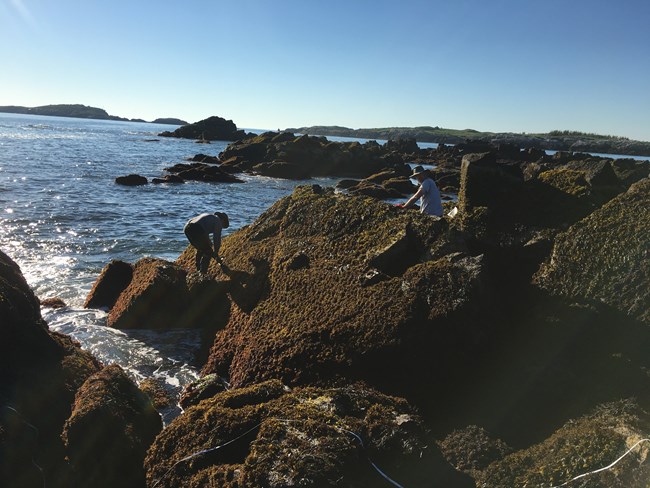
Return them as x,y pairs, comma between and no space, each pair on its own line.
348,341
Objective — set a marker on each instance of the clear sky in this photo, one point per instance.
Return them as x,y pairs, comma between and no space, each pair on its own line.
490,65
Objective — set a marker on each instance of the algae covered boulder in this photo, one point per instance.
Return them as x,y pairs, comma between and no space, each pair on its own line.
269,435
152,298
110,429
606,256
380,295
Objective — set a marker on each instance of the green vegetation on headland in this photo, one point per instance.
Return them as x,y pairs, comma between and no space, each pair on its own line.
556,140
80,112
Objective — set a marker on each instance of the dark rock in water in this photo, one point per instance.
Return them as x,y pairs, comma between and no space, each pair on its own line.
37,368
168,179
308,436
210,129
53,302
282,169
345,184
204,158
131,180
605,256
202,172
581,446
112,281
112,421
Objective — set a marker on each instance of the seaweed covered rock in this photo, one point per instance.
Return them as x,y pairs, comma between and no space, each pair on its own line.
210,129
111,427
580,447
606,256
268,435
40,372
153,298
382,295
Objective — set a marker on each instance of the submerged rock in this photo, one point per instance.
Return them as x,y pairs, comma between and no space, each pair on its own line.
268,435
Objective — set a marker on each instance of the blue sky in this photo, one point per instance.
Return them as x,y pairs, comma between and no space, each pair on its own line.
510,65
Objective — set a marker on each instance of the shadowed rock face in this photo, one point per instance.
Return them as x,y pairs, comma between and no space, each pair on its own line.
606,256
377,286
39,374
304,437
581,446
114,422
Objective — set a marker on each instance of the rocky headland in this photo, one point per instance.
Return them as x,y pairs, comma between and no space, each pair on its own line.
347,342
79,111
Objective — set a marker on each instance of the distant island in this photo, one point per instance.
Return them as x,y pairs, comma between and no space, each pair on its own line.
557,140
80,112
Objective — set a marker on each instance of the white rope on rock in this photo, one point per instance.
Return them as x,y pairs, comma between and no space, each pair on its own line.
605,468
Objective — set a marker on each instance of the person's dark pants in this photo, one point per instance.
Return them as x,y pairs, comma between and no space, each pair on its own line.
200,240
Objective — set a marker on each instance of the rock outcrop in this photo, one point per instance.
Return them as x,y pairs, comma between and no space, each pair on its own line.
210,129
327,286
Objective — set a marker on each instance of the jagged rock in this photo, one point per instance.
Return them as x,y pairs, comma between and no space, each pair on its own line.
112,281
131,180
210,129
605,256
111,427
303,437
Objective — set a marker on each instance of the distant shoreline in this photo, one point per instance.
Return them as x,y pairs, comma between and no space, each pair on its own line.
571,141
80,112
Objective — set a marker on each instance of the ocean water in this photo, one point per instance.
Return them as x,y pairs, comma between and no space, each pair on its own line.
63,218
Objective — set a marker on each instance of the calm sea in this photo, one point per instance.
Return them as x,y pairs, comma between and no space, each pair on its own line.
62,218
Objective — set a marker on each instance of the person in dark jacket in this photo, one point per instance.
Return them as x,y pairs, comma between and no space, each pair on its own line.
198,230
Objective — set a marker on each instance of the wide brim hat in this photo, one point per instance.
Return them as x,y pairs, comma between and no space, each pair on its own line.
418,170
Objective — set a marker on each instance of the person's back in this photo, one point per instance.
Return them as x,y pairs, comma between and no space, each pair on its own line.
210,223
431,204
